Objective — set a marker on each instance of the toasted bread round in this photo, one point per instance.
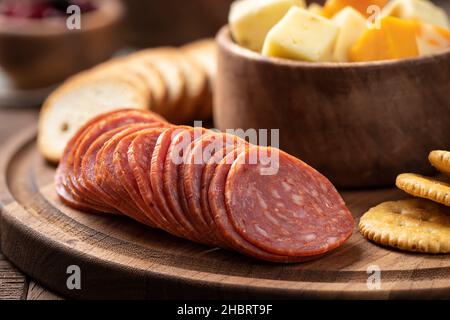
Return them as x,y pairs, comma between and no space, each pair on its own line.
164,61
78,101
204,53
196,89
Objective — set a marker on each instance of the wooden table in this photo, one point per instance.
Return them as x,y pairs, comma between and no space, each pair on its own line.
13,283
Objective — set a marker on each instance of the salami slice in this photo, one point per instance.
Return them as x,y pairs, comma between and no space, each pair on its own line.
139,156
172,164
108,180
110,122
156,179
283,206
212,146
64,171
224,228
125,172
88,180
207,175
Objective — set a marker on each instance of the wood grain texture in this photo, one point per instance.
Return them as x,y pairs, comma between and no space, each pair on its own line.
119,258
13,284
360,124
37,292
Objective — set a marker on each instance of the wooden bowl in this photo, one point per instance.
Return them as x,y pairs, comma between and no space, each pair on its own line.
360,124
39,53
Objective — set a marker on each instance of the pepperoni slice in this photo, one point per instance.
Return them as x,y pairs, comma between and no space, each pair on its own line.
125,172
283,206
172,165
216,197
64,177
156,179
88,180
212,146
108,180
206,177
140,154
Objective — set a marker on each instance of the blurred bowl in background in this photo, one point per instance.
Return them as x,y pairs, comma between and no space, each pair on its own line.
360,124
174,22
37,53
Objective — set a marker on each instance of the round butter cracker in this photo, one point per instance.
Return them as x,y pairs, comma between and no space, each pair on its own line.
424,187
440,160
415,225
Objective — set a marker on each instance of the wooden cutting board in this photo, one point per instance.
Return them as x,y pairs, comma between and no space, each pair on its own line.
119,258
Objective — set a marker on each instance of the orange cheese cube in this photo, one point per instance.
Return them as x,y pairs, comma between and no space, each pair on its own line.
334,6
395,39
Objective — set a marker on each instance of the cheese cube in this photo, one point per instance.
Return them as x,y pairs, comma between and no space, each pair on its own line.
332,7
251,20
351,25
301,35
432,39
395,39
315,8
421,10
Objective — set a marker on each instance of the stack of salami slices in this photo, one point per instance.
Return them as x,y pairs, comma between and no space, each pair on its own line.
208,187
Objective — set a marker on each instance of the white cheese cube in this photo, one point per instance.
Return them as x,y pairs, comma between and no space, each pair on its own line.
351,25
301,35
251,20
315,8
422,10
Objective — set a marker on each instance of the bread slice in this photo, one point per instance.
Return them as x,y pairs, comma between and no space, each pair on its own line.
204,53
78,101
196,89
148,74
164,60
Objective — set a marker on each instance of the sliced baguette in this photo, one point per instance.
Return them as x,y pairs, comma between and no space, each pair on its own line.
164,60
196,89
79,100
204,53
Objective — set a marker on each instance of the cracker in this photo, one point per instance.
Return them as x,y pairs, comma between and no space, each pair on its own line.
440,160
415,225
424,187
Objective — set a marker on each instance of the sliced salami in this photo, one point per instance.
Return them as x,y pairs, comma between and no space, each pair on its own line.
174,160
88,180
212,146
110,122
207,175
156,178
208,187
224,228
107,179
65,172
283,206
125,172
139,156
